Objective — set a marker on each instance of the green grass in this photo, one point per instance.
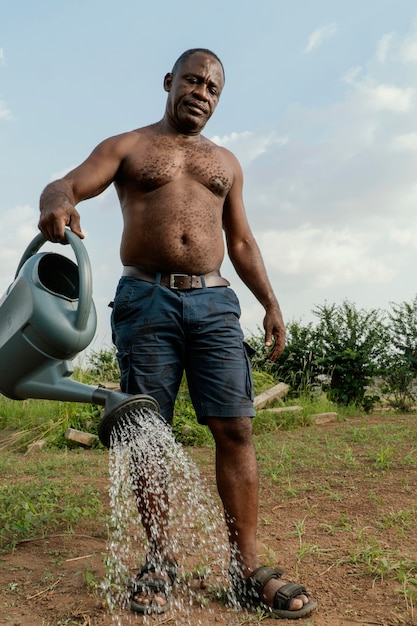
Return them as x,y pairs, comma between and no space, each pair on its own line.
44,494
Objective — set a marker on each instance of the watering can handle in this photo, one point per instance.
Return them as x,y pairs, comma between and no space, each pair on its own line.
84,271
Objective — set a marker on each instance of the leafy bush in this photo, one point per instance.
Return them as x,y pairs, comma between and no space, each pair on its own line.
103,366
400,366
352,345
298,366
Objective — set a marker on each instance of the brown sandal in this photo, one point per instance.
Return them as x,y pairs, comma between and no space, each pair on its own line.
248,593
152,586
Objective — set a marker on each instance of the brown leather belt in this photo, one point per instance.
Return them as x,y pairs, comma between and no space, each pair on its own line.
177,280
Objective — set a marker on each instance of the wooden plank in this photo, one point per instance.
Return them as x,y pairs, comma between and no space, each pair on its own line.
278,391
323,418
80,436
285,409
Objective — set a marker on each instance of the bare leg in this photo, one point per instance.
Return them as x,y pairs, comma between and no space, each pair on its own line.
238,484
152,501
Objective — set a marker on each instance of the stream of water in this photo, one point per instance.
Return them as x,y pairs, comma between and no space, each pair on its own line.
143,448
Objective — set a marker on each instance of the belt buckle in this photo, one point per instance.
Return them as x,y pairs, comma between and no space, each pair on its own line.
173,277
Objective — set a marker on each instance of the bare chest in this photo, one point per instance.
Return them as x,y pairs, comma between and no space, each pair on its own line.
159,163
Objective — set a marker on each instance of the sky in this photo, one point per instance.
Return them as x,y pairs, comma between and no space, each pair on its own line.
319,106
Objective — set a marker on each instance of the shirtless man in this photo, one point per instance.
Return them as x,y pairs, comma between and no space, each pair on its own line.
173,311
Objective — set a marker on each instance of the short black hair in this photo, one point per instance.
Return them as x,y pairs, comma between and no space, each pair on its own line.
188,53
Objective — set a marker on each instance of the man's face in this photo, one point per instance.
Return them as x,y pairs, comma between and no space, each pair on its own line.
193,93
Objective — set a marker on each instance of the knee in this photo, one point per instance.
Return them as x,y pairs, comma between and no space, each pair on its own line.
231,431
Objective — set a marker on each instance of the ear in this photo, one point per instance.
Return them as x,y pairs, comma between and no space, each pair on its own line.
168,81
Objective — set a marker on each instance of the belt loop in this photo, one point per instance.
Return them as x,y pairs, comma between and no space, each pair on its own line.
203,281
158,278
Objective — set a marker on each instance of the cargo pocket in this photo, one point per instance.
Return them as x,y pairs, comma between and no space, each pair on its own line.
123,358
249,378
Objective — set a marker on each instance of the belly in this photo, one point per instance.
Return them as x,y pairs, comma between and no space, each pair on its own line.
191,246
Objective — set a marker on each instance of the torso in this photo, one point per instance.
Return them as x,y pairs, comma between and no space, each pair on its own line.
172,190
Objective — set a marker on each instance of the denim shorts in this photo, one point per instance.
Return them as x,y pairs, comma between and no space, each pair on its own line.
160,333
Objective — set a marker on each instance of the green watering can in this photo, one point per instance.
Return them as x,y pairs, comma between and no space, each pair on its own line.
47,316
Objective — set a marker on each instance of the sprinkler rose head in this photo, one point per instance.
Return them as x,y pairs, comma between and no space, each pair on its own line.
127,411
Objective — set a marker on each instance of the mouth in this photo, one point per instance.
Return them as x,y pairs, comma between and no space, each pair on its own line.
196,108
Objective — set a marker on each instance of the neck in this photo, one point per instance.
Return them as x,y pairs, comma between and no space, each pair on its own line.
169,127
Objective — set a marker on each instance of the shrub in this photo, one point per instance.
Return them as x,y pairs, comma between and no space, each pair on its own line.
400,366
353,347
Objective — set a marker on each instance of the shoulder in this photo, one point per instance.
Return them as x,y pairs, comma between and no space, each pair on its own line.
123,143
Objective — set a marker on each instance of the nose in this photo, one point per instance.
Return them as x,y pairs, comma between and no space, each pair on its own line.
200,91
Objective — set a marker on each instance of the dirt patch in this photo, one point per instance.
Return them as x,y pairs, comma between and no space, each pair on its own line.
315,528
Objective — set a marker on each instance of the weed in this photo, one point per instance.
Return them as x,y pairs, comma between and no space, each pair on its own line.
399,519
333,495
408,590
304,549
384,457
90,580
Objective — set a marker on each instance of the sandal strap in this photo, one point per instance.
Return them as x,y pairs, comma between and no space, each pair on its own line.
151,585
286,593
262,575
160,566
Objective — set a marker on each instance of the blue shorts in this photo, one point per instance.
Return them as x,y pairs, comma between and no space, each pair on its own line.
160,333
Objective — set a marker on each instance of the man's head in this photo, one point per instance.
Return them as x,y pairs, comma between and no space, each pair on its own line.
194,86
188,53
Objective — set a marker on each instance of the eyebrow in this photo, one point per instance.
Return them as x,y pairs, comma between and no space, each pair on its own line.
202,79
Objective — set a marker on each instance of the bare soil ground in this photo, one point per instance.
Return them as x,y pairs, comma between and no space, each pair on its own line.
48,581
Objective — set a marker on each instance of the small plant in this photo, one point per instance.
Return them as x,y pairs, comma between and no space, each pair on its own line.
384,457
408,590
201,572
90,579
304,548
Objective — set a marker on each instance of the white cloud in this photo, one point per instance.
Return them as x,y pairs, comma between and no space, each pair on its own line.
383,47
328,256
406,141
249,146
318,36
389,97
2,57
5,112
408,52
380,96
405,237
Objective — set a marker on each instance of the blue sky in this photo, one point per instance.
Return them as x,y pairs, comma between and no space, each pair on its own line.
320,107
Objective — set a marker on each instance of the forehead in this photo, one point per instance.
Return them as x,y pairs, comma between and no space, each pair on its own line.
204,65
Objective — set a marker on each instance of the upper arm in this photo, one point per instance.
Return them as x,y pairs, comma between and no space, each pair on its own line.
235,221
98,171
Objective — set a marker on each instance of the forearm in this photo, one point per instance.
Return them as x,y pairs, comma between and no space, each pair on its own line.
56,195
248,263
57,211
